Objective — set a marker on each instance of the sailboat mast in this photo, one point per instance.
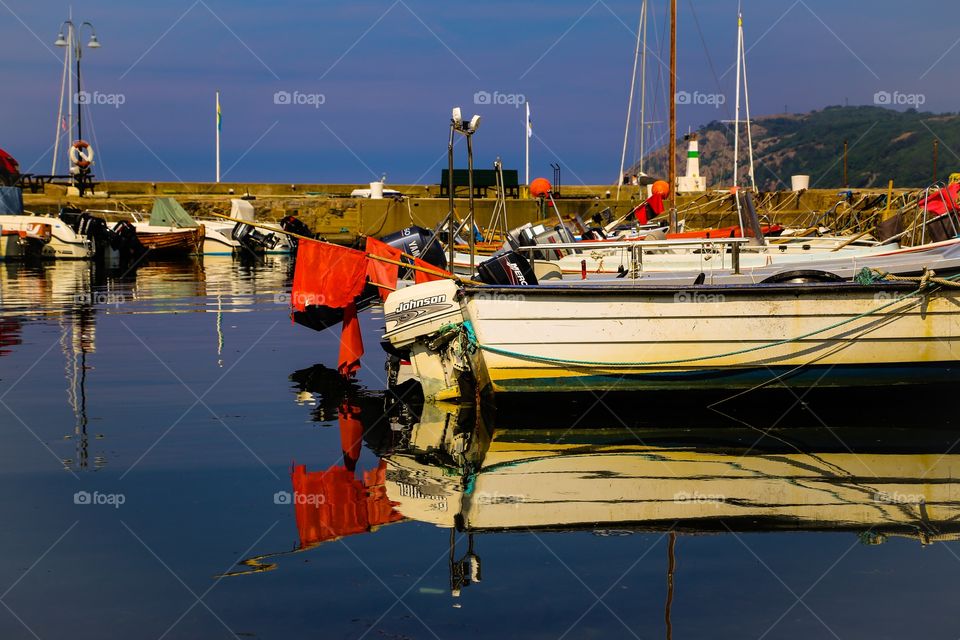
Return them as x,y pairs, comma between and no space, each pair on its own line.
673,116
57,132
736,114
643,85
746,100
633,84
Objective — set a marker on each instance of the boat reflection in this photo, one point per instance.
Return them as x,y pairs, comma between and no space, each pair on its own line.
477,474
215,284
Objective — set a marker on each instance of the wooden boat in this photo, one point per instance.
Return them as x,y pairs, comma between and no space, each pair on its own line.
173,243
598,337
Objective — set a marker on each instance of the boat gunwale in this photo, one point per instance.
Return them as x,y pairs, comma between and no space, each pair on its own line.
638,288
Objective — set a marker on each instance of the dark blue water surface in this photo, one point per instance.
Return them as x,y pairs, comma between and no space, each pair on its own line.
179,397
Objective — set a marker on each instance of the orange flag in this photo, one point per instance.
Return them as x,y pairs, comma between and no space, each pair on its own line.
422,276
351,343
327,275
383,272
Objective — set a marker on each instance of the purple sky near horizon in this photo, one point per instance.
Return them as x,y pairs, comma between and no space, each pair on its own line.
389,71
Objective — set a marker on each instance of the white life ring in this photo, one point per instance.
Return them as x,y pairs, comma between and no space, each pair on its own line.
81,154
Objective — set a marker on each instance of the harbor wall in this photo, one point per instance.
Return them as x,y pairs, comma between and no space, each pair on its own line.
329,210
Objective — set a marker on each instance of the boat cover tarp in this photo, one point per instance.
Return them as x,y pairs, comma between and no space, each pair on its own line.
241,210
11,200
167,212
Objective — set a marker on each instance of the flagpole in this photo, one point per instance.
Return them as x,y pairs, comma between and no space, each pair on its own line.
218,136
526,140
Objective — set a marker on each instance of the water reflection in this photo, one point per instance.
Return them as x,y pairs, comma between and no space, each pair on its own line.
481,474
74,295
30,291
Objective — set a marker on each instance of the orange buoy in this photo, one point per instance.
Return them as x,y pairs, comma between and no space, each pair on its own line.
540,187
661,188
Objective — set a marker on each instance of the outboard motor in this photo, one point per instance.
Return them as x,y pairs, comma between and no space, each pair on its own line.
93,228
71,217
293,224
507,268
416,241
254,239
124,240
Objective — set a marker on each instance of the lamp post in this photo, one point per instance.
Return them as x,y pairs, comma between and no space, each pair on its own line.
72,41
457,125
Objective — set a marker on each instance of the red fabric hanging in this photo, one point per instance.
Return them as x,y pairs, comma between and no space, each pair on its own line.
351,343
383,272
942,200
327,275
421,276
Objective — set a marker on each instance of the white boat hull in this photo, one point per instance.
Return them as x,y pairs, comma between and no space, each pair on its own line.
581,337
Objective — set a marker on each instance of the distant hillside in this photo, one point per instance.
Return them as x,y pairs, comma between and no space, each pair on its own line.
884,144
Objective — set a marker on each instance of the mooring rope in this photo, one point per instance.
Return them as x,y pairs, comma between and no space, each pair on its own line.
924,280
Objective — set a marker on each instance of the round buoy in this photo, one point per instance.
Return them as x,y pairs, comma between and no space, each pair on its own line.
661,188
539,187
81,153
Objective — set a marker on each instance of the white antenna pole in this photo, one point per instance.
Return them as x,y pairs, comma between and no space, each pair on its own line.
633,83
746,99
527,132
218,136
643,85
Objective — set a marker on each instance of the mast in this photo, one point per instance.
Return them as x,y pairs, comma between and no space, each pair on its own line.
218,134
70,99
633,84
643,85
57,133
673,116
746,100
736,111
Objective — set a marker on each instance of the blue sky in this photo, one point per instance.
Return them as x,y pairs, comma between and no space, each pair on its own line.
388,72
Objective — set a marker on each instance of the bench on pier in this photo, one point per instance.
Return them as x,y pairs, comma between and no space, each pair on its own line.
483,180
34,182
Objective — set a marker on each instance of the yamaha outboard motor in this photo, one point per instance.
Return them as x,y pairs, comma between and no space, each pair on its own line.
507,268
416,241
254,239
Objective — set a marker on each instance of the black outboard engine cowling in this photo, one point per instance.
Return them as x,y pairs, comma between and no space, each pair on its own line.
254,239
124,240
507,268
413,241
293,224
71,217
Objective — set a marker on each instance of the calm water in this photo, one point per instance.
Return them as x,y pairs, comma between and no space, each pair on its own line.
178,461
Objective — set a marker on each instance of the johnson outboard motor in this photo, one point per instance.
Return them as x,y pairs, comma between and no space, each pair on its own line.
254,239
419,243
507,268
